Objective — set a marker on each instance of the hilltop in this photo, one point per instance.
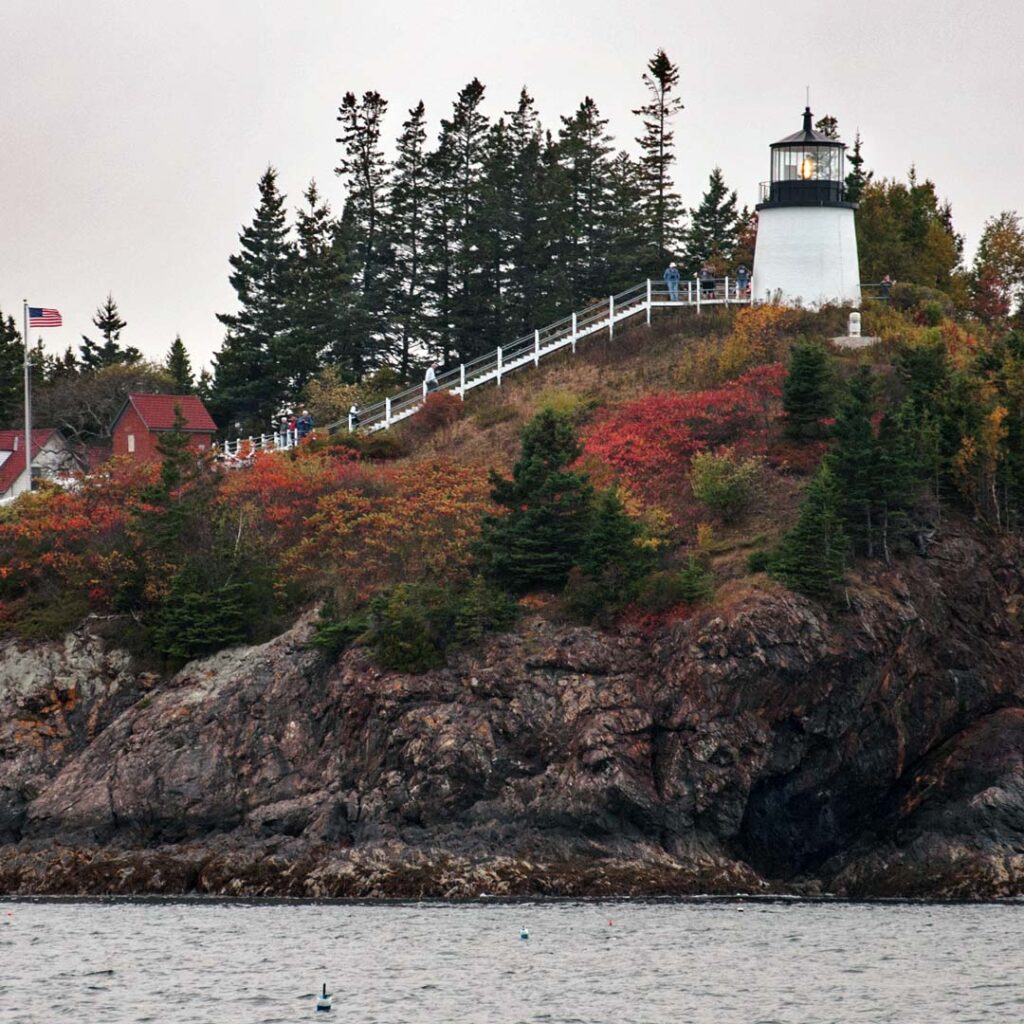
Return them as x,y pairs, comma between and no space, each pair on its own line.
311,677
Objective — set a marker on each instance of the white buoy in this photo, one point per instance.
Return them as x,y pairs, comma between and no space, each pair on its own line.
323,1001
524,934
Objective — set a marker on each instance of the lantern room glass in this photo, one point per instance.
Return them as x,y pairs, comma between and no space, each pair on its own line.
807,163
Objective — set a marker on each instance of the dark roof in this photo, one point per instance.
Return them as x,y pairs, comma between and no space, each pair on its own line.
157,412
808,135
14,465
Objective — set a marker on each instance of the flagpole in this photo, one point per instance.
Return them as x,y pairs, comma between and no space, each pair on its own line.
28,398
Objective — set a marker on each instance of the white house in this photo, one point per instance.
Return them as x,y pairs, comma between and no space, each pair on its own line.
51,457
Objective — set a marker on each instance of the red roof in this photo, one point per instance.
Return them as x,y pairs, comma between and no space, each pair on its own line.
157,412
14,465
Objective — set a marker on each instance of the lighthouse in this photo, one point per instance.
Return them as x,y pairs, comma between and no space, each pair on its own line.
806,252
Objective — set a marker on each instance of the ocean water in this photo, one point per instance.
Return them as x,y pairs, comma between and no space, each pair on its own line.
617,962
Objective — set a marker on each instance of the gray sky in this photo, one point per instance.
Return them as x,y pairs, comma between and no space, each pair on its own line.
134,131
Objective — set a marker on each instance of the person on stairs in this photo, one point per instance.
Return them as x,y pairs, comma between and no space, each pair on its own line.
671,276
353,417
430,378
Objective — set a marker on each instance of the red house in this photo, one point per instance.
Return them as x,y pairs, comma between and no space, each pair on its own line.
143,418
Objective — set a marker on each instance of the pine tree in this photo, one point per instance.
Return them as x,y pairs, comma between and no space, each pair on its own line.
853,460
12,360
827,126
179,366
547,510
714,228
204,386
248,387
364,222
584,151
409,202
65,367
628,251
109,323
320,298
807,391
858,177
897,474
661,203
812,556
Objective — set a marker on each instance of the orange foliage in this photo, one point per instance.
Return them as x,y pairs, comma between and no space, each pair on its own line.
757,336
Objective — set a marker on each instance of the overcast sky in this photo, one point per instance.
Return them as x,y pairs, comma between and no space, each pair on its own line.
134,131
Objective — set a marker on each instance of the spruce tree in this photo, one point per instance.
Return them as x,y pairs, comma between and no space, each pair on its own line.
661,204
628,251
248,387
714,227
320,298
179,366
853,460
366,175
12,361
584,155
109,323
547,510
827,126
858,177
897,474
812,556
409,202
807,391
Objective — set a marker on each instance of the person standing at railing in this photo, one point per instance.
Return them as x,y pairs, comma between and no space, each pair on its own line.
304,424
742,281
671,276
884,287
353,417
430,378
707,282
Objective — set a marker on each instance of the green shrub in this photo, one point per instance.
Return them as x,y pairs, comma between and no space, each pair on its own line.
759,561
562,403
410,627
723,483
382,446
45,615
662,591
333,633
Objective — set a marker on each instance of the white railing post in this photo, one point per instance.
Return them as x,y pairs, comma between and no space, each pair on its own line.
387,412
574,333
727,289
536,348
350,422
689,293
611,316
499,366
648,302
462,381
697,289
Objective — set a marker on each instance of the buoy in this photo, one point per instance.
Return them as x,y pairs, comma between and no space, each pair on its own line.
323,1001
525,933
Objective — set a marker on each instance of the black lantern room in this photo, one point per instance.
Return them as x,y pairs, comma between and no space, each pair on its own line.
807,170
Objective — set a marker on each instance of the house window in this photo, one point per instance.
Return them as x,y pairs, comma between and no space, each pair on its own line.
131,444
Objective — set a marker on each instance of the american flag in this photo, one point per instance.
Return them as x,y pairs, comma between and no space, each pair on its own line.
39,317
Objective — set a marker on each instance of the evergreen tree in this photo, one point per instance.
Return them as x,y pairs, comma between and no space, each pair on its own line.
67,366
12,362
364,221
320,297
584,151
204,386
179,366
248,386
812,556
807,391
853,460
547,510
897,472
410,200
661,203
714,228
109,323
628,252
827,126
858,177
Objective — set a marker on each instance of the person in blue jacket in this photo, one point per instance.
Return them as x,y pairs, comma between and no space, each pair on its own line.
671,276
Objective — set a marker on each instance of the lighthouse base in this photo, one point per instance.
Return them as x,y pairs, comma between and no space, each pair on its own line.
806,256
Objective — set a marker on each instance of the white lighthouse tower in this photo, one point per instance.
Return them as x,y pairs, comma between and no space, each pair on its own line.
806,250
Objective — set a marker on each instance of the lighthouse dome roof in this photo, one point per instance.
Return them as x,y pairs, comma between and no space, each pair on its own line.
807,135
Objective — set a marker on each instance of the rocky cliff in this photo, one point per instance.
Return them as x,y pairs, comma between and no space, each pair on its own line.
767,744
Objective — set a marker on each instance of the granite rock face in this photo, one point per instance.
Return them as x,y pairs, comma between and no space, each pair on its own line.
768,744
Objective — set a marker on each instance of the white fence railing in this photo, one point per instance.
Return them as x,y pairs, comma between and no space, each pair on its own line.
529,350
